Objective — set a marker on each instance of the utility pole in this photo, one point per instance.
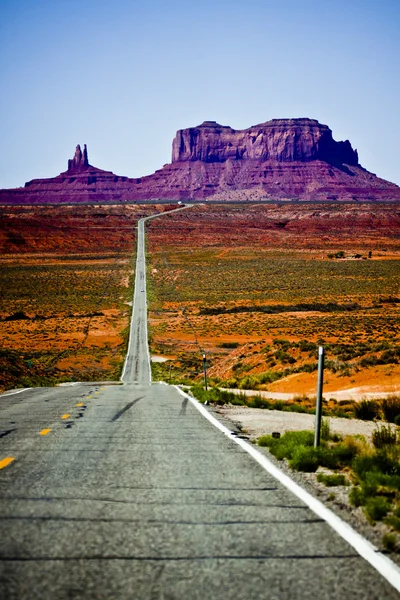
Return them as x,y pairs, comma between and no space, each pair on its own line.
318,407
205,371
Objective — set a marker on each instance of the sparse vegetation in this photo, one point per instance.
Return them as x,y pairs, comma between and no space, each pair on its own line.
367,410
64,294
374,471
384,436
331,408
332,480
261,310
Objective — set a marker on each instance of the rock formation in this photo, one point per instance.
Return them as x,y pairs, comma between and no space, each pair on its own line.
80,162
280,140
282,159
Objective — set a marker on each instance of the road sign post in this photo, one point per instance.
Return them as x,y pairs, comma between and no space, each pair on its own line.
318,408
205,371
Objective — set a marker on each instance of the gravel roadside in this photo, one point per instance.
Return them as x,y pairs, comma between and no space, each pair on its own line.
254,422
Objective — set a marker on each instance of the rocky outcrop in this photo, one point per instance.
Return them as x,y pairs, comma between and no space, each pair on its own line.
80,162
282,159
81,182
280,140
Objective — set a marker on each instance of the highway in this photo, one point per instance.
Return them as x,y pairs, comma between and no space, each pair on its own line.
128,491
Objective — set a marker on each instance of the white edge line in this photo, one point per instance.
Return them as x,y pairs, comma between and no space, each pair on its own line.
129,345
13,393
145,299
387,568
135,288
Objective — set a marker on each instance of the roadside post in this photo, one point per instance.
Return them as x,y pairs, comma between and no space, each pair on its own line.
318,407
205,371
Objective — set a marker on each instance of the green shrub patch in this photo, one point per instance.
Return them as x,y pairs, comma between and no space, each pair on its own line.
332,480
375,471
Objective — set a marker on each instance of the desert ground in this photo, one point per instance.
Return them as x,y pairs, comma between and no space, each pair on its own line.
255,287
258,287
66,276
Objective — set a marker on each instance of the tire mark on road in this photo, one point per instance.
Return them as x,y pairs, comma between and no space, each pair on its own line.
7,432
123,410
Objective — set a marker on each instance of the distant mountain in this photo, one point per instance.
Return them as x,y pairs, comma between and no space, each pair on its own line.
282,159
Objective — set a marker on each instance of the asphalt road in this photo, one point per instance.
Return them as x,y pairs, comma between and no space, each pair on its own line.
137,363
128,492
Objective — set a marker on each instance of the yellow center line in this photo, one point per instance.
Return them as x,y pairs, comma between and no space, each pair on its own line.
45,431
80,404
6,461
89,397
66,416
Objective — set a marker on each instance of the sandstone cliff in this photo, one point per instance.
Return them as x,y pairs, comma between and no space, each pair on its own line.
282,159
281,140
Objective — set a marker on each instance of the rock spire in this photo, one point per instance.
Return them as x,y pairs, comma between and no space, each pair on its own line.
80,161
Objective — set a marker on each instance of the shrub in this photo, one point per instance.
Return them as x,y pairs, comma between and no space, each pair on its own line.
305,459
374,482
278,405
308,367
369,361
306,346
367,410
230,383
343,414
325,429
390,408
382,462
376,508
383,436
258,402
17,316
266,441
229,345
285,446
336,456
285,357
248,383
356,496
391,356
332,480
389,541
394,522
297,408
217,396
269,377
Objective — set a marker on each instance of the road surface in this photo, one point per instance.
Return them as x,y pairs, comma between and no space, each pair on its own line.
128,492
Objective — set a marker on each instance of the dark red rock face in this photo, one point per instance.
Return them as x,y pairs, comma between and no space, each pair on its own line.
282,159
279,140
80,162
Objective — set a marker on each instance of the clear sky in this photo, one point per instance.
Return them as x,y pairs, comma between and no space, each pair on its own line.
123,76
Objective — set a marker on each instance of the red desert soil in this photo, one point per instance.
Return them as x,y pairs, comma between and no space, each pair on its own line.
68,270
65,283
214,269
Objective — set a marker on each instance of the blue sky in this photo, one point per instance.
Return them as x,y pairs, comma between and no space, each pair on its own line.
123,76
